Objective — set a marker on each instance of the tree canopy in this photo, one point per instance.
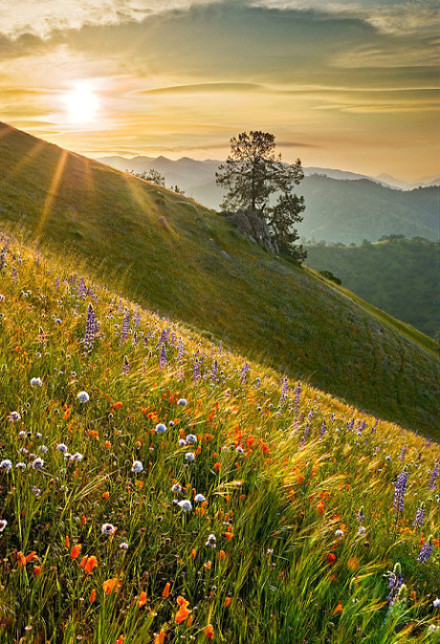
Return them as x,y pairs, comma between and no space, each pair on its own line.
256,179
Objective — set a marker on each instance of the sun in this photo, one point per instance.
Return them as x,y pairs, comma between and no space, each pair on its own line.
81,104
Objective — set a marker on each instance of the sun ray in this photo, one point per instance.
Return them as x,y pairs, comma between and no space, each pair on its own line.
26,158
141,196
51,194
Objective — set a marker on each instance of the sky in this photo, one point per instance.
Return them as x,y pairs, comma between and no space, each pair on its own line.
345,84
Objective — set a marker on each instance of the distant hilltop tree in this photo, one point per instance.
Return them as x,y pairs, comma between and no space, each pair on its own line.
153,176
257,181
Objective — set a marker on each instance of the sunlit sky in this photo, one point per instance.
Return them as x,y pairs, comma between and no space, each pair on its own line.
345,84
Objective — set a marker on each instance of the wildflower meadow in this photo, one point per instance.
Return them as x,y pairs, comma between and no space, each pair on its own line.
155,487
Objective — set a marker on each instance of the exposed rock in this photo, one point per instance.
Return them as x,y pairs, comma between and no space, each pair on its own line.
252,226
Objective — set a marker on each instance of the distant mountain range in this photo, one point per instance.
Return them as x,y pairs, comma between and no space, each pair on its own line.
340,206
186,169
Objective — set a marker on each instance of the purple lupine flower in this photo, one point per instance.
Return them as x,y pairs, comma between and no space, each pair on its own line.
426,550
244,372
57,283
82,291
361,427
214,371
399,492
360,515
402,454
136,317
284,391
72,279
420,517
196,371
14,275
90,329
42,337
180,351
163,357
120,306
297,395
350,424
126,366
173,337
163,337
395,581
125,326
433,478
3,258
306,431
323,429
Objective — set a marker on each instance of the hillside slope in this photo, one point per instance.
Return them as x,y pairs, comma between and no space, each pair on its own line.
185,261
157,488
399,276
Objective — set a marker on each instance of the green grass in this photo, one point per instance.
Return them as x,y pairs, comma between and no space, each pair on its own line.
185,262
400,277
293,560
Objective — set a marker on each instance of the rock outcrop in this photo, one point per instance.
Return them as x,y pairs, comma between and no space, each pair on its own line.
252,226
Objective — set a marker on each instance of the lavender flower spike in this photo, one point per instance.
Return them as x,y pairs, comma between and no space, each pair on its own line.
420,516
399,492
433,479
426,550
90,329
395,581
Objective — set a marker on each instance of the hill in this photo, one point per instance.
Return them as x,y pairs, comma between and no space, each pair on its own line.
340,206
184,261
155,488
356,210
399,276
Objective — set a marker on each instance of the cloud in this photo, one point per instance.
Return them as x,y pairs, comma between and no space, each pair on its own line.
204,88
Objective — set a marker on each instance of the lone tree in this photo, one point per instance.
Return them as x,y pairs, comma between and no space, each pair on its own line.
258,181
153,176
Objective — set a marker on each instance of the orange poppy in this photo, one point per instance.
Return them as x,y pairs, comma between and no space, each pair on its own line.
160,637
166,590
183,612
111,584
142,600
92,596
338,610
74,553
209,632
88,563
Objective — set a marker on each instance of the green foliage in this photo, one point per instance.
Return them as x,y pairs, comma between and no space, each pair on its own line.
184,261
329,276
397,275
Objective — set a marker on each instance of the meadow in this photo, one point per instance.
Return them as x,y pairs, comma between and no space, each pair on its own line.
156,487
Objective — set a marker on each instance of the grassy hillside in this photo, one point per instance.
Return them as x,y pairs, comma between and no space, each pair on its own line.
399,276
186,262
155,488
